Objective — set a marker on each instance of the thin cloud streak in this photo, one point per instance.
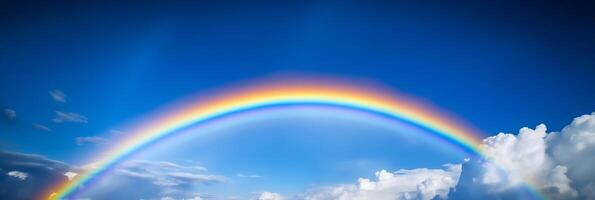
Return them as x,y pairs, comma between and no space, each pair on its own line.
41,127
91,140
69,117
58,96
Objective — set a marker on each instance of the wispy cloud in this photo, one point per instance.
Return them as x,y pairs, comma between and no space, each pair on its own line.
91,140
10,114
155,178
69,117
58,96
248,175
41,127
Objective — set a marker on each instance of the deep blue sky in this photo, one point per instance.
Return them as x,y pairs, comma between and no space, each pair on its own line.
500,66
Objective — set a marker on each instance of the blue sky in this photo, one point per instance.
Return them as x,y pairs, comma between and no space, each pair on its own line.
499,65
119,61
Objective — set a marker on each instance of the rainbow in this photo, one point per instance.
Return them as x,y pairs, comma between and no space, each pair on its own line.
271,93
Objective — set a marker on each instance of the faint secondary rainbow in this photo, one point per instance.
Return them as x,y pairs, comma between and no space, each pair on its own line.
255,96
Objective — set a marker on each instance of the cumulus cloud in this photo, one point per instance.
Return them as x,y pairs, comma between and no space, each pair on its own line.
523,157
419,183
58,95
574,148
10,114
559,164
69,117
17,174
91,140
41,127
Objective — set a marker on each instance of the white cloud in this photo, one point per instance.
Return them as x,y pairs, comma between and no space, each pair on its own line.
58,96
558,163
18,174
70,175
419,183
69,117
91,140
10,113
574,148
270,196
41,127
523,158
